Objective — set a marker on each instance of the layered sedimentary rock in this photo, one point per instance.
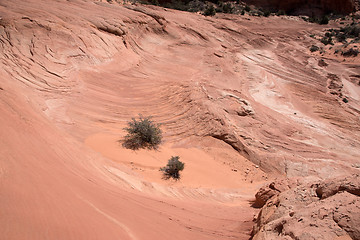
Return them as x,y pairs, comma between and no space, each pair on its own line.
238,97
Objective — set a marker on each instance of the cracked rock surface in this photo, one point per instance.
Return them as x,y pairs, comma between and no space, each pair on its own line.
328,209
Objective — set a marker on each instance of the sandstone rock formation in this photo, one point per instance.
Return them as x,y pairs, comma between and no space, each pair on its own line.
240,99
328,209
274,189
260,80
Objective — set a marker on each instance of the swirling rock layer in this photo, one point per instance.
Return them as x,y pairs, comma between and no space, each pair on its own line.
240,99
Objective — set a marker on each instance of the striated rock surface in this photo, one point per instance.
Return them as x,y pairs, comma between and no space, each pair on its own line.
265,96
240,99
328,209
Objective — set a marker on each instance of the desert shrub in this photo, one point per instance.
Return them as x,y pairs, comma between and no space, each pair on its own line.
227,8
314,48
210,11
178,5
326,40
247,8
305,18
196,6
267,13
328,34
152,2
350,53
351,31
280,13
173,167
311,19
324,20
142,133
341,38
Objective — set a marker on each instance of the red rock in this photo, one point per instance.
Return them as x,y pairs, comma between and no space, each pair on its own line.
273,189
74,72
302,214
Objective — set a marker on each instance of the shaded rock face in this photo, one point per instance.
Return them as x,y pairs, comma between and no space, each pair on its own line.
327,209
308,6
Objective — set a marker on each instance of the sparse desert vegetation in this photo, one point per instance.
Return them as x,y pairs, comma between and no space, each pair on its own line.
342,40
314,48
173,168
142,133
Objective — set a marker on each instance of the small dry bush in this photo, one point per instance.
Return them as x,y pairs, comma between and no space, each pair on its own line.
173,167
142,133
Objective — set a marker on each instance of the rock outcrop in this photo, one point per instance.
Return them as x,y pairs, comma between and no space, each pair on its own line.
274,189
328,209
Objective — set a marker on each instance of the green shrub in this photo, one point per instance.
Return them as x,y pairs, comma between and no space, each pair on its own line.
324,20
196,6
314,48
351,31
173,167
341,37
178,5
328,34
227,8
142,133
267,13
210,11
327,40
350,53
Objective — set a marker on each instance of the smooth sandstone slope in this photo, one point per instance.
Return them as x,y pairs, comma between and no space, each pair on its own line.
236,96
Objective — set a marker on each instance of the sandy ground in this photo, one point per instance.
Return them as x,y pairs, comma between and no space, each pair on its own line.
241,100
